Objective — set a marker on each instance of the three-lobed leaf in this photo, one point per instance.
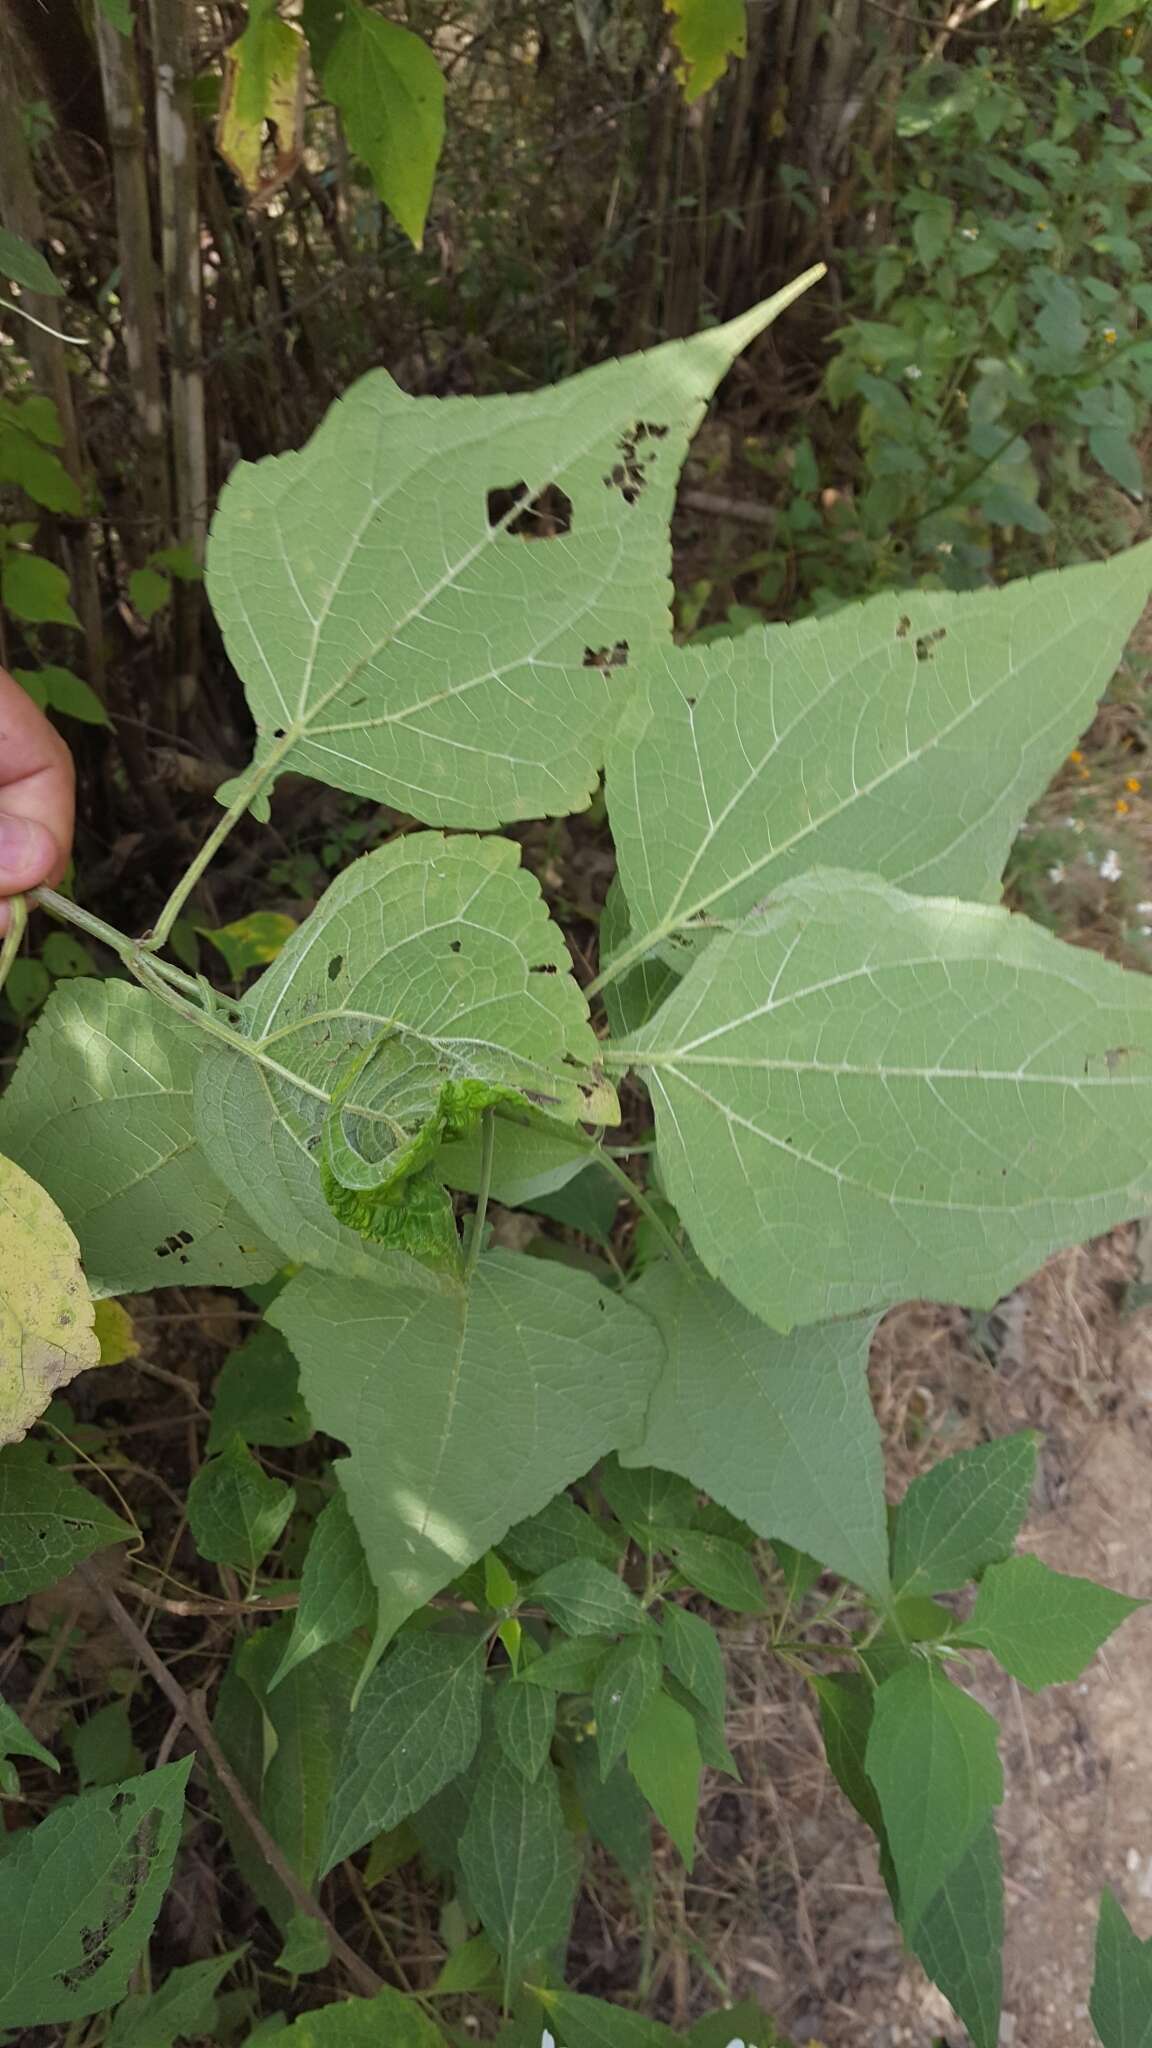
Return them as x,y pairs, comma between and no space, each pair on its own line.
862,1095
1043,1626
397,638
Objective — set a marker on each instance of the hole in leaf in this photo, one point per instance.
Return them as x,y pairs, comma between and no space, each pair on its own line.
928,641
279,733
691,703
543,517
334,965
543,967
454,945
605,658
903,626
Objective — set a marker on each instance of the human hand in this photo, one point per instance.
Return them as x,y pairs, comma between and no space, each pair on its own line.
37,796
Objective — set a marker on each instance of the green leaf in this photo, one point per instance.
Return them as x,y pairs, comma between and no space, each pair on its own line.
79,1895
184,2004
100,1112
35,589
664,1758
835,742
568,1667
693,1655
1119,457
744,2023
716,1566
962,1514
520,1864
236,1513
119,13
862,1096
337,1596
26,266
34,468
474,1966
961,1935
430,966
149,591
414,1728
524,1717
61,690
15,1740
585,1599
46,1313
388,87
47,1524
560,1531
933,1761
530,1159
1043,1626
365,2023
626,1684
1121,2004
466,1410
846,1699
258,1395
579,2022
645,1499
64,956
28,985
587,1202
252,941
778,1429
706,33
410,647
616,1813
102,1747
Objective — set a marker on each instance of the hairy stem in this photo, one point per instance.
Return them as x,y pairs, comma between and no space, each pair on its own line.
364,1978
17,920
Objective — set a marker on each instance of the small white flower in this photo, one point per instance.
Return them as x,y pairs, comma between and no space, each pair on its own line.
1146,931
970,234
1145,909
913,373
546,2040
1056,874
1110,869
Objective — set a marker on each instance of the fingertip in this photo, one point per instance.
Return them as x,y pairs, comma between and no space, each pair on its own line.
29,854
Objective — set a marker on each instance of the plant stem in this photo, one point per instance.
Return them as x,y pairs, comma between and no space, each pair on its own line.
484,1189
364,1978
17,920
126,949
250,787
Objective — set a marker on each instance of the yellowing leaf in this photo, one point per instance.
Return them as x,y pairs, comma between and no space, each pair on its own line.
265,74
114,1333
251,941
706,33
46,1333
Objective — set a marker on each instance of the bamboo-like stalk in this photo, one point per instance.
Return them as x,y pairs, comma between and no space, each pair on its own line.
123,102
172,31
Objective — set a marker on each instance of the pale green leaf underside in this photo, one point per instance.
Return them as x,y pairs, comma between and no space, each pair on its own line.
79,1895
862,1096
440,954
903,737
99,1111
779,1430
465,1410
407,649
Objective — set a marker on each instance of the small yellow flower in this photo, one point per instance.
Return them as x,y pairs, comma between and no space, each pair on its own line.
1041,227
1122,808
1133,783
1076,757
1110,336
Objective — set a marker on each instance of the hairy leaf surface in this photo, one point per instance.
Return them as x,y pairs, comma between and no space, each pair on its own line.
99,1111
903,737
862,1096
433,603
464,1411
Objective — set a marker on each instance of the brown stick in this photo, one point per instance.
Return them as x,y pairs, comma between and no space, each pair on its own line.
186,1704
273,1603
728,508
